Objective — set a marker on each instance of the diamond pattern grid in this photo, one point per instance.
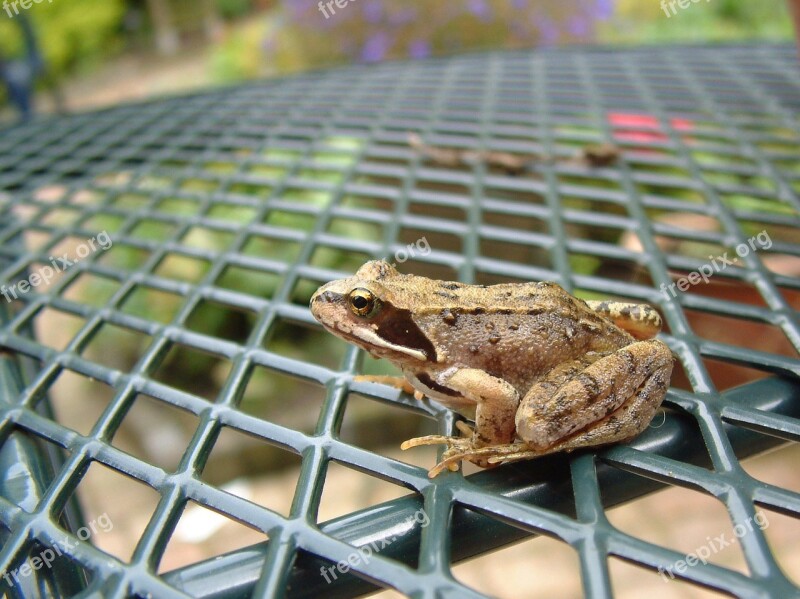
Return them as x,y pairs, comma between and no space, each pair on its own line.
232,206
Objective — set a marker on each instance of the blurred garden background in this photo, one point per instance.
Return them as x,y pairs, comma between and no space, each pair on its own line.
97,53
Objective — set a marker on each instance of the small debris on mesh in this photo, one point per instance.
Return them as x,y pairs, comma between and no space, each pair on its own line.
441,156
513,164
604,154
593,155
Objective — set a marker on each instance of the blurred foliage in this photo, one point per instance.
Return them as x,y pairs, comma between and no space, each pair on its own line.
640,22
71,34
235,59
231,9
269,37
299,36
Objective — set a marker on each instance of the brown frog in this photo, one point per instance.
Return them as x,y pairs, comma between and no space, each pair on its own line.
538,370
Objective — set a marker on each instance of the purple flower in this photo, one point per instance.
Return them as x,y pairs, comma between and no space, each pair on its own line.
604,9
419,49
299,8
373,11
375,48
480,9
548,30
578,26
404,16
377,29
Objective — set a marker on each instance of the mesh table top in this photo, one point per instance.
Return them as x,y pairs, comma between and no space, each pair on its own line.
301,180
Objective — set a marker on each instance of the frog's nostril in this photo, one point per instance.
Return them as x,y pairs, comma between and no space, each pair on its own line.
326,297
330,297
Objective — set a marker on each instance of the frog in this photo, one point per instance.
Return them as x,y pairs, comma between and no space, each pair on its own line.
536,369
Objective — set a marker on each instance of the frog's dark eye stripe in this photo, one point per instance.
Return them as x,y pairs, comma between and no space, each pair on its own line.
397,326
363,303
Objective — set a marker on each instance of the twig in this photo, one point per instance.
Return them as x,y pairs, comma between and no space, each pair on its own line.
593,155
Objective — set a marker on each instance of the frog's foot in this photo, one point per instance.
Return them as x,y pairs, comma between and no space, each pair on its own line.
485,457
398,382
455,446
462,448
466,435
451,442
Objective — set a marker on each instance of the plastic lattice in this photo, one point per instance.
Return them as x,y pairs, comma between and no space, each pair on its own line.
302,179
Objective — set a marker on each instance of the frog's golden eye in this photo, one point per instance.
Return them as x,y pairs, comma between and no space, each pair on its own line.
363,302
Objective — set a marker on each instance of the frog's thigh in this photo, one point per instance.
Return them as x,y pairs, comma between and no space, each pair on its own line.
633,418
636,375
496,404
635,414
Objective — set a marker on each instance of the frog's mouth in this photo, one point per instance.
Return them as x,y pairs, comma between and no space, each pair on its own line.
379,336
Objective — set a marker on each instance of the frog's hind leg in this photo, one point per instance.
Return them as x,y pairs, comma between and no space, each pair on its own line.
623,424
612,400
584,403
635,411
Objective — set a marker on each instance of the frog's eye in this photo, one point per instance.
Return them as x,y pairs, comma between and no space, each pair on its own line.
363,302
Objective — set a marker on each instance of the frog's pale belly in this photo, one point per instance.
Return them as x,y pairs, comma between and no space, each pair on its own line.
448,398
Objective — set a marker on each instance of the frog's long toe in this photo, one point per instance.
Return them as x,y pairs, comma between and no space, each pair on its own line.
428,440
485,457
516,456
451,459
450,463
457,449
461,448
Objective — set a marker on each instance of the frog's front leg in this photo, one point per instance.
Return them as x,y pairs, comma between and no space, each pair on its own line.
398,382
496,404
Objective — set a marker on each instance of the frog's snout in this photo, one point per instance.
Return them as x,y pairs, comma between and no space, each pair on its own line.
326,303
324,296
314,298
